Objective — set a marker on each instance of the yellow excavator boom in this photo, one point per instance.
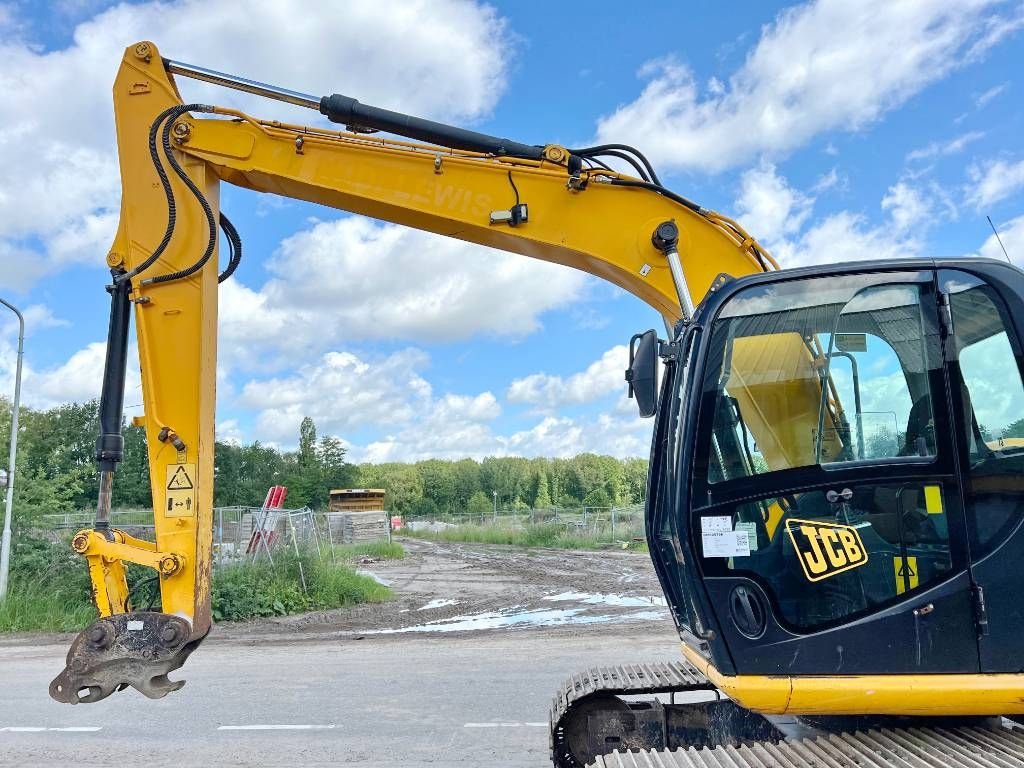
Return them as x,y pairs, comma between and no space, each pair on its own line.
548,206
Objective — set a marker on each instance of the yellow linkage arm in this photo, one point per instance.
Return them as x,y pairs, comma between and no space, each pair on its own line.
584,222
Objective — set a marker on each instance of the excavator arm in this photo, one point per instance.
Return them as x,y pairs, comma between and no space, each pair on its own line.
547,202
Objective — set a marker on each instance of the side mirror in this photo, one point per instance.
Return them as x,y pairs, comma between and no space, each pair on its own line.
642,374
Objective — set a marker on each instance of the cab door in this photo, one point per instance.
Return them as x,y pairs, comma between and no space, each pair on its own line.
985,363
826,504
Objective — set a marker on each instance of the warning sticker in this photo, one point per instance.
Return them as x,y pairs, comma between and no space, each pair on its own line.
180,480
907,575
181,490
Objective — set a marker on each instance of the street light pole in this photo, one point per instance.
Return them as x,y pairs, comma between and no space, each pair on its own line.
5,541
495,506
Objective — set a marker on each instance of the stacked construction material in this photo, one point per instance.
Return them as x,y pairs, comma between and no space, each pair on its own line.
357,527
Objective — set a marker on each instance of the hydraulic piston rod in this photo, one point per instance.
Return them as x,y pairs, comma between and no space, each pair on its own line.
361,117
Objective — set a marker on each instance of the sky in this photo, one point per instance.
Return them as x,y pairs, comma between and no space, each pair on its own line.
833,131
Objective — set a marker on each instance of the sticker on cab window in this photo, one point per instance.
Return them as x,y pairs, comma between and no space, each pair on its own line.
825,549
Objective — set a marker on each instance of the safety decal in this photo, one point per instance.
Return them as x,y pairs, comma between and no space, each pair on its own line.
181,490
907,575
933,499
825,549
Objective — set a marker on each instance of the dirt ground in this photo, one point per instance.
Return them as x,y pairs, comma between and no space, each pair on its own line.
469,590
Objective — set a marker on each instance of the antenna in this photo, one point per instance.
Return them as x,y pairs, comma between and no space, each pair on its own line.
996,233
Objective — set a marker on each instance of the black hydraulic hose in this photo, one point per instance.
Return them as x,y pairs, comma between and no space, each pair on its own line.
660,190
602,148
623,156
203,202
234,244
165,183
167,118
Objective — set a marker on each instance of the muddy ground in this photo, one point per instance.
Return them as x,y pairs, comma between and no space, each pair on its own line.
469,590
457,670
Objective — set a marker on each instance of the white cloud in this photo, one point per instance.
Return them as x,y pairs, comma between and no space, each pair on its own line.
607,434
949,147
822,66
907,207
769,208
340,392
778,215
77,379
1012,234
600,379
37,317
65,190
994,181
989,95
345,394
357,279
229,431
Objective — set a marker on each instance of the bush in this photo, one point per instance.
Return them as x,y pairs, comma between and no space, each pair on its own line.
480,504
250,591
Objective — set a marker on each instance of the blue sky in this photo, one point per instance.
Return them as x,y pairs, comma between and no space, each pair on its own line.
834,131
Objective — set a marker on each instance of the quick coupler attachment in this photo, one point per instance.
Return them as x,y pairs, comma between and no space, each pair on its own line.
135,649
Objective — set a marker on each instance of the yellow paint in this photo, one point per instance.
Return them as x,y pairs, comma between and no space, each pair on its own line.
906,574
919,695
601,229
933,499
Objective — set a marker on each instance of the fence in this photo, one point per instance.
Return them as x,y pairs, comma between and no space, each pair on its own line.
603,523
238,532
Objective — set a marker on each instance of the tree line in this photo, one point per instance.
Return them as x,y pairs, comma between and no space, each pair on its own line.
56,472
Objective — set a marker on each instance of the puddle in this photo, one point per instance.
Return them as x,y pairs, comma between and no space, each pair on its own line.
516,617
619,601
438,603
374,576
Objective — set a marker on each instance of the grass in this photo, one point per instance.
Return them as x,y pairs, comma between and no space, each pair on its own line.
291,585
49,588
34,607
552,535
378,550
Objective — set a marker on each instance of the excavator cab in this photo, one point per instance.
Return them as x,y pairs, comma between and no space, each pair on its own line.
836,484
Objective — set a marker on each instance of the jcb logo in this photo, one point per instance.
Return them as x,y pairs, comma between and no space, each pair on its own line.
825,549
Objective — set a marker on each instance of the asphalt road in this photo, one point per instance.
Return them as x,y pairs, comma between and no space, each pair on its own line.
449,701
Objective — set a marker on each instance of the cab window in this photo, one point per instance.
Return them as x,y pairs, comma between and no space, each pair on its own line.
986,379
819,372
826,375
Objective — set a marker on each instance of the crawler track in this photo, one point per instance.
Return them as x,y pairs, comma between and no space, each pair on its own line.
674,677
909,748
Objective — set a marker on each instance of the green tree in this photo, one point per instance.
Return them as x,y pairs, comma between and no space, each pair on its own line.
467,481
439,482
542,499
597,498
634,480
307,442
480,505
401,482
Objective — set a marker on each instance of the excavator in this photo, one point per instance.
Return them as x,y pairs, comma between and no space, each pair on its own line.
836,484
